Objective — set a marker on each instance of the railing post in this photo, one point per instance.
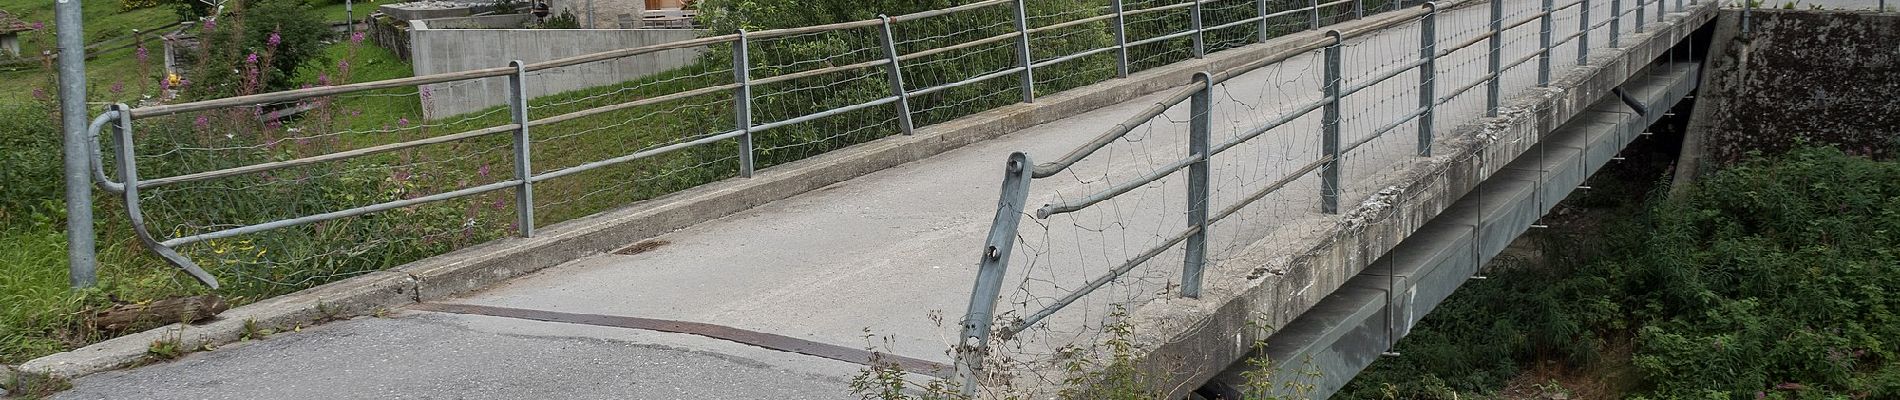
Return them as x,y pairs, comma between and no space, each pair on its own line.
1494,89
1358,9
1543,59
1641,10
81,248
1427,68
973,343
1023,57
1261,7
742,103
524,156
897,78
1121,39
1200,39
1329,120
1315,14
1616,23
1200,130
1746,6
1583,34
1661,11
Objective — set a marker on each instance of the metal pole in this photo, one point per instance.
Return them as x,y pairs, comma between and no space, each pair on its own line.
1022,53
524,170
1640,14
1583,34
742,103
1494,89
81,260
1661,11
1616,23
897,78
1746,6
1428,66
349,15
1121,40
1358,9
1261,7
1200,40
1315,14
974,341
1329,138
1200,128
590,14
1543,59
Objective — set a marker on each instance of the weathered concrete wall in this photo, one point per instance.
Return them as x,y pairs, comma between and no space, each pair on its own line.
503,21
608,14
1822,76
449,50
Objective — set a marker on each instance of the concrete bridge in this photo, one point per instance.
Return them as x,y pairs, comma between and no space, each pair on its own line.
776,286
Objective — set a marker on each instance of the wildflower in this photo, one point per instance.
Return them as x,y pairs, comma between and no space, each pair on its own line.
251,59
202,123
342,66
501,203
402,122
323,79
142,54
273,40
211,24
356,38
483,171
39,93
39,26
118,87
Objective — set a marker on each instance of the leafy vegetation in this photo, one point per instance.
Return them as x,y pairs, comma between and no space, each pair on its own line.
1771,279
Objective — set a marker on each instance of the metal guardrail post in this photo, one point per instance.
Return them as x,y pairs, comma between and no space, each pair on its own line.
896,78
973,343
1746,6
1315,14
1543,38
1661,10
1358,9
1200,32
1200,130
1494,90
1261,7
742,102
1616,23
1583,34
524,168
1329,120
1427,68
1641,14
1121,39
1023,57
82,260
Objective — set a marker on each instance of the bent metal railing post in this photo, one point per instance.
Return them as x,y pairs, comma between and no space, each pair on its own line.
896,72
1329,122
524,165
1200,131
973,342
1427,68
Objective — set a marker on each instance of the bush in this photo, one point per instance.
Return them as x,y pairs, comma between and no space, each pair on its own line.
29,161
267,40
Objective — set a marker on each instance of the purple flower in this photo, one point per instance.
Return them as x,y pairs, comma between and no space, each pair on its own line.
211,24
39,26
402,122
356,38
500,203
342,66
483,171
118,87
323,79
251,59
39,93
273,40
142,54
165,84
202,123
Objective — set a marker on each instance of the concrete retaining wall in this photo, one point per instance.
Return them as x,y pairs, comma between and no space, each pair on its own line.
504,21
1822,76
448,50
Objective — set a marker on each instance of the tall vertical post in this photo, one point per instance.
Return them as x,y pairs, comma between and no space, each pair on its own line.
1200,130
1358,9
349,15
81,261
1260,6
1494,89
1583,33
1329,135
1121,39
1746,6
590,15
1641,10
1427,68
973,342
524,167
1200,32
1543,38
1315,7
1023,57
1616,23
896,78
742,102
1660,11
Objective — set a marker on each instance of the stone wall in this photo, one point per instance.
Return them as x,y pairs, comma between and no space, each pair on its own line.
1828,77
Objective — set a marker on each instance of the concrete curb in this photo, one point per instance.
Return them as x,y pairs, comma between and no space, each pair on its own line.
467,270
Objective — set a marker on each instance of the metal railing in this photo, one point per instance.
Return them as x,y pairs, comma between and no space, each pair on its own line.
981,322
738,95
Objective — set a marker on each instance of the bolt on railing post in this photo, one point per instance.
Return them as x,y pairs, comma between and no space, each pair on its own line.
1315,15
1200,131
1543,38
1583,34
1121,40
742,103
1494,89
896,78
1261,7
1427,68
1329,121
524,168
1200,33
1616,23
973,342
1023,57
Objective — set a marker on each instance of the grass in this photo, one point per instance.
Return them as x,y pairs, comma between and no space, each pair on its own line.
103,20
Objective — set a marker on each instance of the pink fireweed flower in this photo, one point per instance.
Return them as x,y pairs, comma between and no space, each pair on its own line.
164,84
118,87
210,24
39,26
273,40
323,79
402,122
202,123
500,203
142,54
251,59
356,38
483,171
342,66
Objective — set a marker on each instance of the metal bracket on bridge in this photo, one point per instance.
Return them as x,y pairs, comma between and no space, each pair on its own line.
1630,101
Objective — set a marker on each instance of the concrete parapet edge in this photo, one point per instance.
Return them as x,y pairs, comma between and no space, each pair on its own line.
1179,339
